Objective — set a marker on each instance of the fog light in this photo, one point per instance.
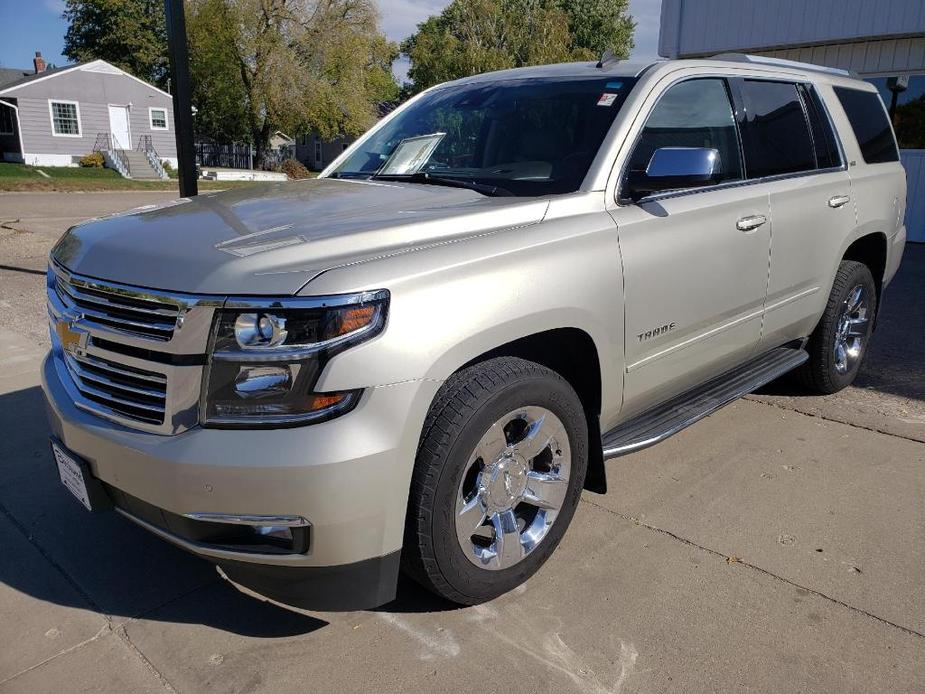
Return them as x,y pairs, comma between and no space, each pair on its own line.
280,532
263,381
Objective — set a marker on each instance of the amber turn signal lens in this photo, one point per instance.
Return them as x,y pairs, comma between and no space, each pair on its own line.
320,402
355,318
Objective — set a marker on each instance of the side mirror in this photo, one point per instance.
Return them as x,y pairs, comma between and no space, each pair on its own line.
674,168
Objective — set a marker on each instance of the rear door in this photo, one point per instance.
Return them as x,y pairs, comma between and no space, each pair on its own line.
791,152
695,268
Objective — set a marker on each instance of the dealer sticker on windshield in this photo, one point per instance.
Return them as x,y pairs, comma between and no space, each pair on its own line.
606,99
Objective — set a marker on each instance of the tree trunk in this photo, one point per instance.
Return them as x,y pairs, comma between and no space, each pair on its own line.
261,139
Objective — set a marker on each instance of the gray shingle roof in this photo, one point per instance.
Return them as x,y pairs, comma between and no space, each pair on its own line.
8,75
19,77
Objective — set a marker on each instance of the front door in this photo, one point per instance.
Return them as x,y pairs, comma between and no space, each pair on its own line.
119,127
695,260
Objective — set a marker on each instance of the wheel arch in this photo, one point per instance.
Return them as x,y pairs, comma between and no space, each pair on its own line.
571,353
871,250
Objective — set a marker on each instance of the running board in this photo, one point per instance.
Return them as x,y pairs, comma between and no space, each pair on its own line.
680,412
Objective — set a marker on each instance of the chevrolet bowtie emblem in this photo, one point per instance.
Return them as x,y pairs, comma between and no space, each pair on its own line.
73,339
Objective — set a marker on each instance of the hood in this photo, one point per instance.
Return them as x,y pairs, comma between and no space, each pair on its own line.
273,239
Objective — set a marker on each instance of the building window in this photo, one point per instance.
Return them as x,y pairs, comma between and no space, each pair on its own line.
65,118
158,118
6,120
318,156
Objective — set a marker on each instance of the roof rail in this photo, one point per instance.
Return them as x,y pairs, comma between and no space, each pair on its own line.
780,62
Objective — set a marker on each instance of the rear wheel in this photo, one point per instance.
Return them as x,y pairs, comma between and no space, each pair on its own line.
839,342
497,478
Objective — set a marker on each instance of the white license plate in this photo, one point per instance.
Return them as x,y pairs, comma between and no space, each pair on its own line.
71,474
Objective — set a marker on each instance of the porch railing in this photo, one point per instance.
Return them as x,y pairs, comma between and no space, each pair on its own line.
116,158
146,146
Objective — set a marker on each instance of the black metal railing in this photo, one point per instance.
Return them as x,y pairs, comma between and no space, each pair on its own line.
145,144
104,143
146,147
228,156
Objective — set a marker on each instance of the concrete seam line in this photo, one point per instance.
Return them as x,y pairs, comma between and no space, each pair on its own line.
127,640
636,521
102,632
168,602
831,419
60,569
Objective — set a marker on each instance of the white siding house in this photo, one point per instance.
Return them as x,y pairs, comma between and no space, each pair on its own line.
877,40
54,117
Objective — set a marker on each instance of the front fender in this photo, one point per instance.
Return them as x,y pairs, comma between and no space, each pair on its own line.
454,302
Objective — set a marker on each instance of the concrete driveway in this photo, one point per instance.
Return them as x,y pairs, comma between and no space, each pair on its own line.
777,546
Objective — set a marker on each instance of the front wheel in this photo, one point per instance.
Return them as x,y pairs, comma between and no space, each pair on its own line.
839,342
498,475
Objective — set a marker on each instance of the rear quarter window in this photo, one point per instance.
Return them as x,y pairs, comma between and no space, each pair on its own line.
870,124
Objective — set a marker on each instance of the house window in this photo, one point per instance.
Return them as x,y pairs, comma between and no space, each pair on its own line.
158,118
65,118
6,120
318,156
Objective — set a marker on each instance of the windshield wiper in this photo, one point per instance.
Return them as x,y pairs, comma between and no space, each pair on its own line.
429,179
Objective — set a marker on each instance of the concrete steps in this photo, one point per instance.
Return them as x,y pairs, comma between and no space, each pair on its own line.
139,166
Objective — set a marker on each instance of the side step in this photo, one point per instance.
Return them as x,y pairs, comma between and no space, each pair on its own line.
680,412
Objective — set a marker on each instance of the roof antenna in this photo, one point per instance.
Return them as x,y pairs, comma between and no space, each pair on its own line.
607,57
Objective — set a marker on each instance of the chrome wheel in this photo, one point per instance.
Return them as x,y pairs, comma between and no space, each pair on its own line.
851,330
513,487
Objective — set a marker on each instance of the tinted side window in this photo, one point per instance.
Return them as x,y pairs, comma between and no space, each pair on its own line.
695,113
776,136
827,155
871,127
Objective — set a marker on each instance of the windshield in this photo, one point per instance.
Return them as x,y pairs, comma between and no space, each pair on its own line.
526,136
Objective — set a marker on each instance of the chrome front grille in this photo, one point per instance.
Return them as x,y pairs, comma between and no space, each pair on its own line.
121,390
134,312
130,355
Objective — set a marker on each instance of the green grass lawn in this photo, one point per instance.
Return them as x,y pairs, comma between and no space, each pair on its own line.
19,177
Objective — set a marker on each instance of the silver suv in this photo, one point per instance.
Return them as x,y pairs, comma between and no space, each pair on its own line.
420,359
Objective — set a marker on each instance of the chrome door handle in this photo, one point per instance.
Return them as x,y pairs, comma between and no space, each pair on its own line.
751,222
837,201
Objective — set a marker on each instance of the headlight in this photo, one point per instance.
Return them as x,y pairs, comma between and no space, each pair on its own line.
267,355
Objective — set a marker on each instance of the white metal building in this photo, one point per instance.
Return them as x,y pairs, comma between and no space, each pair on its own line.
878,40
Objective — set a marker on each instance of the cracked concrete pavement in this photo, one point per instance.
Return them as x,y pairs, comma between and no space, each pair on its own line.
777,545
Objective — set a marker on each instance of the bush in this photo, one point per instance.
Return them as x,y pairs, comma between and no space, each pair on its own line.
94,160
293,168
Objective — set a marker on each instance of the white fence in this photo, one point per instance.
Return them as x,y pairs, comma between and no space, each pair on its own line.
914,161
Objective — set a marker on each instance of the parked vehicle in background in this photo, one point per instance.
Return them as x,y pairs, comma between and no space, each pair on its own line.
423,357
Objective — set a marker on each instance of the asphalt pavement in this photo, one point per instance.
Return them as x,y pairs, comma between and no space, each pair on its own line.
776,546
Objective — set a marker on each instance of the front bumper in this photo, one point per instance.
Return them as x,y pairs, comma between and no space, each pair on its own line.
348,477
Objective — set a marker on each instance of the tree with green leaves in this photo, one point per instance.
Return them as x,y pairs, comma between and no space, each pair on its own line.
130,34
259,66
473,36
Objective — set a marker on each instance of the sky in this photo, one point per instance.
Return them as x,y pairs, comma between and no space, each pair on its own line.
36,25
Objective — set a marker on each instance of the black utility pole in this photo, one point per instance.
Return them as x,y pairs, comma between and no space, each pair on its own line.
182,108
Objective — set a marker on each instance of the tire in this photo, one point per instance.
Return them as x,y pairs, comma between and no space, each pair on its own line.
456,461
825,372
